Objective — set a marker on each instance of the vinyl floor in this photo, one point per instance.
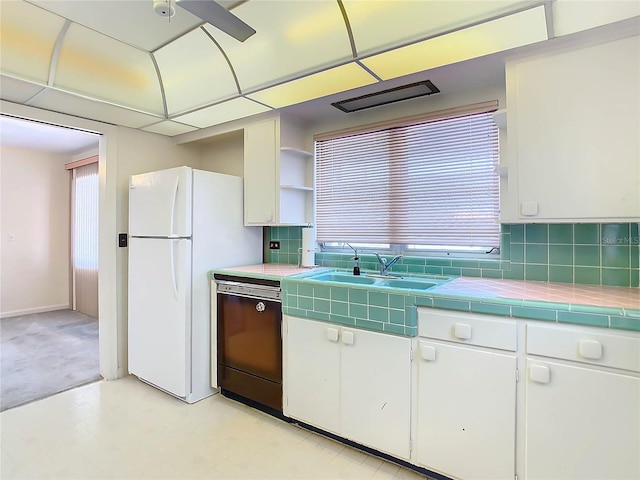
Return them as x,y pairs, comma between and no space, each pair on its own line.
126,429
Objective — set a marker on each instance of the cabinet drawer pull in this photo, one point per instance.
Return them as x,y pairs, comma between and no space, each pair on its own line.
539,373
590,349
427,352
347,337
332,334
462,331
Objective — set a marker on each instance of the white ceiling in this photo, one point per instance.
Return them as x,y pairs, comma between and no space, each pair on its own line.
48,138
118,62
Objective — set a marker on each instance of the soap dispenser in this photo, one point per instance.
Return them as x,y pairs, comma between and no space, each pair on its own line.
356,267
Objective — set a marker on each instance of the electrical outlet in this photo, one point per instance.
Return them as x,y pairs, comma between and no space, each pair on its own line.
274,245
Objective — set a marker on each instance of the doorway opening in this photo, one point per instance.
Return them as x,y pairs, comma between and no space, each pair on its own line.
47,345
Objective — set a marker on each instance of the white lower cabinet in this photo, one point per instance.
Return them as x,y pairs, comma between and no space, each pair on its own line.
573,414
351,382
582,420
465,409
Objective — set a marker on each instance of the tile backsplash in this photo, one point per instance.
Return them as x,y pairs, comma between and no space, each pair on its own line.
585,253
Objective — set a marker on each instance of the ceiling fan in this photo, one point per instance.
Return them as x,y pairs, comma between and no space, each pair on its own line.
209,11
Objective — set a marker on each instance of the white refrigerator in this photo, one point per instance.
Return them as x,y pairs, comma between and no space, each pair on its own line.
182,223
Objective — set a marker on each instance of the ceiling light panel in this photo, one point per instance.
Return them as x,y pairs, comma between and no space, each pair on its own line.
570,16
27,38
98,66
194,73
513,31
293,38
388,23
223,112
335,80
63,102
131,21
17,91
170,128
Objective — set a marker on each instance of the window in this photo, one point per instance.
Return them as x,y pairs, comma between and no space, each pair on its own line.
424,183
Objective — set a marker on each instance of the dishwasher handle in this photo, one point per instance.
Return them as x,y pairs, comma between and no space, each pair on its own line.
247,290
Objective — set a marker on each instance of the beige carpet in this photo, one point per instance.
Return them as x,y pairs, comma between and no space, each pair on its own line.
46,353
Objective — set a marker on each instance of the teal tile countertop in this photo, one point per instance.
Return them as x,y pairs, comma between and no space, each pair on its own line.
394,310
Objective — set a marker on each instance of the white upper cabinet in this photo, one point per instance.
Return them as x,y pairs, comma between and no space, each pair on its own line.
573,122
278,175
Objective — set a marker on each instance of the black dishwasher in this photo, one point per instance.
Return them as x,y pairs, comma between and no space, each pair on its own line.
249,322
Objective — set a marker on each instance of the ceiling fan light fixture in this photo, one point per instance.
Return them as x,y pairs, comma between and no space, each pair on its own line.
384,97
164,8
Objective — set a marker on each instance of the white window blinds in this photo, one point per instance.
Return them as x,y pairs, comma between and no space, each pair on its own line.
430,183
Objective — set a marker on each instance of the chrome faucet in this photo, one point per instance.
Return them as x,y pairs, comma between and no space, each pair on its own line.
386,266
356,259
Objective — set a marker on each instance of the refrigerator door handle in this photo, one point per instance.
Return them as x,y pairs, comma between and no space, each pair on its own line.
173,269
173,206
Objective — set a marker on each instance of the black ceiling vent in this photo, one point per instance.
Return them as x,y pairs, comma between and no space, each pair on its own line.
397,94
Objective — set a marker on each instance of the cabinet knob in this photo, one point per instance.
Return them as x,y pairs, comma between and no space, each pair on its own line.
462,331
332,334
590,349
539,373
347,337
428,352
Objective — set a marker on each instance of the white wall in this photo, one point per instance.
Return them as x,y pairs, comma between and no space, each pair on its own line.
35,229
224,155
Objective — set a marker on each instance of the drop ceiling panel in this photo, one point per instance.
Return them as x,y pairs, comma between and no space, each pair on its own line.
516,30
223,112
70,104
335,80
293,38
131,21
96,65
382,24
570,16
194,73
28,35
170,128
18,91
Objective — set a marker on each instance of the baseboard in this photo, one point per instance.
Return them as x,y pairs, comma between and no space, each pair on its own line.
29,311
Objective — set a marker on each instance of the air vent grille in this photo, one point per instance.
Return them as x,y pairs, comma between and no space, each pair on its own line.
384,97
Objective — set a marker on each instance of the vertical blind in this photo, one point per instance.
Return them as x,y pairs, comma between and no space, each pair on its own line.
85,239
429,183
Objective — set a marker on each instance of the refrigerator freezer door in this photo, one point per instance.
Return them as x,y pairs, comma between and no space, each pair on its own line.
160,312
160,203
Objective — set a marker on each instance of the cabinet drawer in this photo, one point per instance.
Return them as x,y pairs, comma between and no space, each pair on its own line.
468,328
585,345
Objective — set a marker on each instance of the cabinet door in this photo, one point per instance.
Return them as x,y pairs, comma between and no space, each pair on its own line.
581,423
577,153
376,390
466,411
260,179
312,373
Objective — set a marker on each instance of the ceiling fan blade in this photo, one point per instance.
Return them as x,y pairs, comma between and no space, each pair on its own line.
218,16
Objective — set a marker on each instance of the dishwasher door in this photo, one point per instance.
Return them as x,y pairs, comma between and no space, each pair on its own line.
250,346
